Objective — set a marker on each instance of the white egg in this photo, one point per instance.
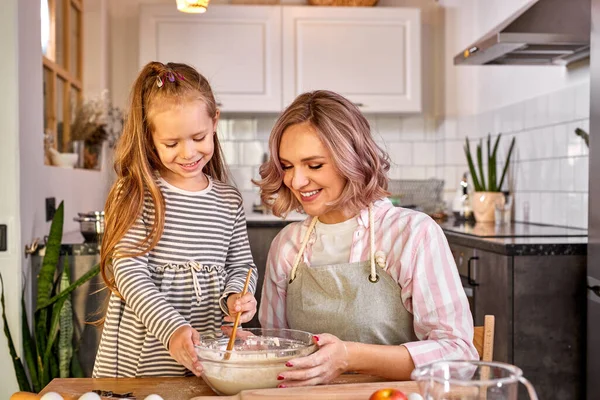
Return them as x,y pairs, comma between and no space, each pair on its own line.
153,397
90,396
52,396
414,396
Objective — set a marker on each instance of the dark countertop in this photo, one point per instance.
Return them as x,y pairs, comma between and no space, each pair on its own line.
268,223
517,238
73,244
258,220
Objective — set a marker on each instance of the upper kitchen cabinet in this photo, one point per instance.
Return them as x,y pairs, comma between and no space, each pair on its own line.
370,55
238,48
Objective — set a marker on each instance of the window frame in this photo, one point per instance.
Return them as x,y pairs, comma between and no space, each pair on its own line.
71,79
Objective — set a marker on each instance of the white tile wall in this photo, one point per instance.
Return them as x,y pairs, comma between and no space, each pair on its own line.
412,144
549,166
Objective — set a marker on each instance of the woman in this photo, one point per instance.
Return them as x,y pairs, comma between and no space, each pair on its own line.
376,284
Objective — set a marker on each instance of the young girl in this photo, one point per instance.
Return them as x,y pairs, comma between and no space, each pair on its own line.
375,283
175,251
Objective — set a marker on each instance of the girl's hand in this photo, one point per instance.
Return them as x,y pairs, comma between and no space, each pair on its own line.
181,348
238,303
323,366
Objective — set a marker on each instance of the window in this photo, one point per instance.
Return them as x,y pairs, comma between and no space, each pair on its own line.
62,47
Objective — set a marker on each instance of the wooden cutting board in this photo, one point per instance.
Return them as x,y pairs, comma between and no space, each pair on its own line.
354,391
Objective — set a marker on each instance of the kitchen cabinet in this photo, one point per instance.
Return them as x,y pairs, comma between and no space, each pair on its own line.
487,280
260,238
370,55
237,48
259,58
532,280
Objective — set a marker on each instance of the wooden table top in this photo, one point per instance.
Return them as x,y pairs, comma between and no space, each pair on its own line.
348,387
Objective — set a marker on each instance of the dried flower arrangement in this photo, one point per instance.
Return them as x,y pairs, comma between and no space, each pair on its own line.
97,120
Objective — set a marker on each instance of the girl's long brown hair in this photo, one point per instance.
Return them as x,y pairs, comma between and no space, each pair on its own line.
136,159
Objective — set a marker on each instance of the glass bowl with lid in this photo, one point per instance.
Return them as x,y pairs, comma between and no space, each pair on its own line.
258,357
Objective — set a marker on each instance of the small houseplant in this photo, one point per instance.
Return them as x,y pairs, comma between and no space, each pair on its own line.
48,347
487,191
96,120
584,135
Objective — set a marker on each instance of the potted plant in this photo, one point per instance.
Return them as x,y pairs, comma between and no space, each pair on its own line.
487,191
48,347
96,121
584,135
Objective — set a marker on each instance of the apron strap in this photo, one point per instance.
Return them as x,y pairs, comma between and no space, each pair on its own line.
313,222
372,277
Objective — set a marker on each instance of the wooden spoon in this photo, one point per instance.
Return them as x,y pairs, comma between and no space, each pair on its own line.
237,318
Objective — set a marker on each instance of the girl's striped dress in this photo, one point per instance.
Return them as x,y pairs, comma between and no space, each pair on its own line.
201,258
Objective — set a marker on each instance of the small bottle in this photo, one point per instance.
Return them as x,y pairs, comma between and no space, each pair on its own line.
466,212
525,211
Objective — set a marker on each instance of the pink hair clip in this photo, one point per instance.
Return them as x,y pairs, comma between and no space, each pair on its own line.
170,76
159,81
181,78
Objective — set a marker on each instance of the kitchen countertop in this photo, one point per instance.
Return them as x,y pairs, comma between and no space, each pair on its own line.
514,239
258,220
73,243
517,238
347,386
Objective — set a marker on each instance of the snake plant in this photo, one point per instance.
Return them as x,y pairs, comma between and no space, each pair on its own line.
478,176
45,357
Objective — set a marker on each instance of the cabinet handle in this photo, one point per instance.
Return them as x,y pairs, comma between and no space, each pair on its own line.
219,104
471,281
595,289
359,104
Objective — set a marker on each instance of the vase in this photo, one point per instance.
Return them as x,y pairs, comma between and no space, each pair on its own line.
92,155
79,147
484,205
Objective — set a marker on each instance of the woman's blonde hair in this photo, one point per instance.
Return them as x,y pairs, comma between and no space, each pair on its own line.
346,133
158,86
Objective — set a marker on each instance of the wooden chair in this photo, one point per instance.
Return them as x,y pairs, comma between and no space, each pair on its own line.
483,338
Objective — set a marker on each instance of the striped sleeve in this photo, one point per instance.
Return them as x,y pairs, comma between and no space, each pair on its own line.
239,260
141,294
442,320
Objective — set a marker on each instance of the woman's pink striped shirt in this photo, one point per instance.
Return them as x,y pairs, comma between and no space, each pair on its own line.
417,257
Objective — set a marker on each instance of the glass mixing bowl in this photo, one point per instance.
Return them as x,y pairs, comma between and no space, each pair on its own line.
258,356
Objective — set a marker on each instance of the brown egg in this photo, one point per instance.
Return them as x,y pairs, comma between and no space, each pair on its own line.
24,396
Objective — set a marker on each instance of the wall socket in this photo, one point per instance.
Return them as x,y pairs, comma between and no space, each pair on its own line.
3,246
50,208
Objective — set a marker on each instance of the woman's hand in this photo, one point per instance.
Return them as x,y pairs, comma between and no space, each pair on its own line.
181,348
245,304
323,366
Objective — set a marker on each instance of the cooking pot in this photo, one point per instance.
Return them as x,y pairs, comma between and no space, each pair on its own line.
91,225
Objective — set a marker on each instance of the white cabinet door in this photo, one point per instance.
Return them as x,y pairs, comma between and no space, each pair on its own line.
238,48
370,55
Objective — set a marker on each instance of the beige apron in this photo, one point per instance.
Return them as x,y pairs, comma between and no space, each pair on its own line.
353,301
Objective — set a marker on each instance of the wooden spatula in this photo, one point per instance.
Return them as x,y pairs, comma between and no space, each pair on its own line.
237,318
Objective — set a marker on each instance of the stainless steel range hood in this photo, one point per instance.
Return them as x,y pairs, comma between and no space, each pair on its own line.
546,32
